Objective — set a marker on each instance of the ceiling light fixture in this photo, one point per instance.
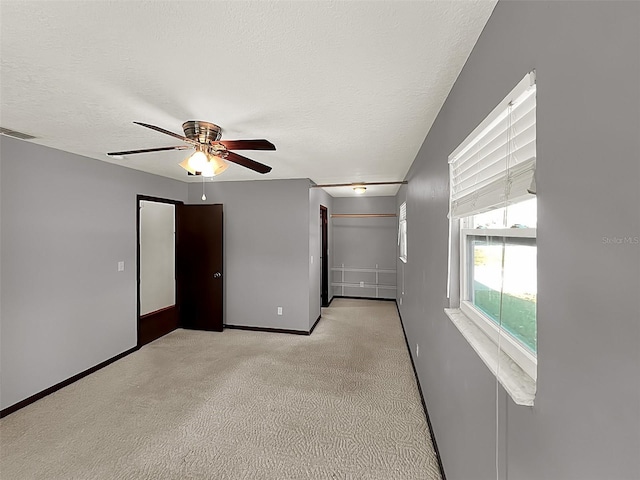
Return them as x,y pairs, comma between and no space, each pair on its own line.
206,164
198,161
214,166
359,189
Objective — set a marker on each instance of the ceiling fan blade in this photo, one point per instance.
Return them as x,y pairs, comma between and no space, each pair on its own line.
147,150
260,144
248,163
167,132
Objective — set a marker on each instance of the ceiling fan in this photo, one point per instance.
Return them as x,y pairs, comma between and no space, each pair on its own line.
210,153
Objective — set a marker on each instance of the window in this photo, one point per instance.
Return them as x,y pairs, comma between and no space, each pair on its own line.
402,232
498,287
493,204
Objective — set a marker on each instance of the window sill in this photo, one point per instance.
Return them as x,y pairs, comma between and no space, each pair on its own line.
518,384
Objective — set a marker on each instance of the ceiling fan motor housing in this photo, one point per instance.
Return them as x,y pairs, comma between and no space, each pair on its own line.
202,132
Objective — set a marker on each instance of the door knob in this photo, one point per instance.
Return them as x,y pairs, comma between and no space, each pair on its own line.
217,275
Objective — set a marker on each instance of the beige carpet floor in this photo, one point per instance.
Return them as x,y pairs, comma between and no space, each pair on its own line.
339,404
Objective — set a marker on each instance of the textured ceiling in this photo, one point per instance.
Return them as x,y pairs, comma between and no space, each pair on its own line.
346,90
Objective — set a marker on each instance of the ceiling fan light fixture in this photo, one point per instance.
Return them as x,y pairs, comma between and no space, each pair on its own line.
185,164
198,161
215,166
359,189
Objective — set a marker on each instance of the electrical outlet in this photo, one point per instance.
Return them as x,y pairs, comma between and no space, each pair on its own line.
121,266
311,259
362,284
417,350
400,300
279,310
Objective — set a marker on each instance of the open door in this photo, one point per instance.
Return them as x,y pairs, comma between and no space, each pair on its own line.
199,266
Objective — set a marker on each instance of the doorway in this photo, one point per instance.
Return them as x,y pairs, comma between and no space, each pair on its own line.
324,257
179,267
157,310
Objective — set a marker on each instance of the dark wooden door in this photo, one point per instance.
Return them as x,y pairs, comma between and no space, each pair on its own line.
199,266
324,223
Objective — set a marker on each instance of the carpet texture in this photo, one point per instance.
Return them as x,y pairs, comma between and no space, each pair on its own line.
339,404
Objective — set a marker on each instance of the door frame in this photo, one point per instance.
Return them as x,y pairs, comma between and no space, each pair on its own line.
147,198
324,255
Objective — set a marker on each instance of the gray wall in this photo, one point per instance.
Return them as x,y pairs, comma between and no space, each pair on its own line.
317,197
266,250
365,243
586,420
66,222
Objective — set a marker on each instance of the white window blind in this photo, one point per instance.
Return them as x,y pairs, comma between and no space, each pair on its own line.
402,232
495,165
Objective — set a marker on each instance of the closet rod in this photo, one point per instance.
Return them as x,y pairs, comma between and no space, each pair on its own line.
362,215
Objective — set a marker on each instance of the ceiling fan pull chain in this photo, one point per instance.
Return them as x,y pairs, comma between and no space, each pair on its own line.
204,197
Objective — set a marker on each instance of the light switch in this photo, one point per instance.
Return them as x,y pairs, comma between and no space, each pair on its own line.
121,266
311,259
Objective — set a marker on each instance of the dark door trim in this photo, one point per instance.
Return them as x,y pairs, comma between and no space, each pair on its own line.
144,339
324,252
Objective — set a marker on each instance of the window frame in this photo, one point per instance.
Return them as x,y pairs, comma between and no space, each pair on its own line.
519,353
402,233
512,363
